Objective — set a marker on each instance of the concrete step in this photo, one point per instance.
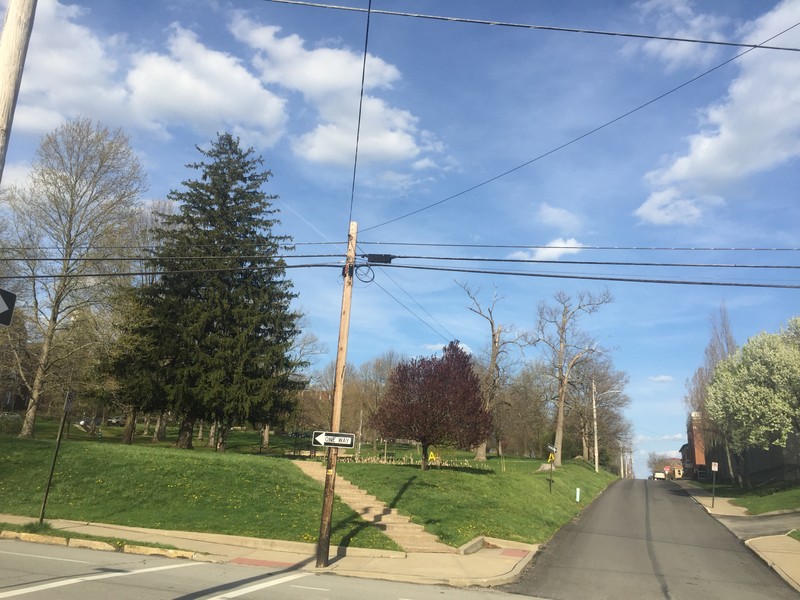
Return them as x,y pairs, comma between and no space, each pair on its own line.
412,537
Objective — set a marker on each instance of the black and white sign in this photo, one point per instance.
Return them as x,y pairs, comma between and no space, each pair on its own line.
7,301
337,440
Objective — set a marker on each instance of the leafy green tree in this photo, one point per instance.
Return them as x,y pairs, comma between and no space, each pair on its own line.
435,401
221,304
752,399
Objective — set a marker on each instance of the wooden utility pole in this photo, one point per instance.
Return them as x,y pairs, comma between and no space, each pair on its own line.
324,540
17,28
594,417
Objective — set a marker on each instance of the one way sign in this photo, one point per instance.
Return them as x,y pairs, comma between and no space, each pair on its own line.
337,440
7,301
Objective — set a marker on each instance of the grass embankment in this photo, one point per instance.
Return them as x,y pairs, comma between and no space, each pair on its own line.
266,496
460,503
165,488
761,499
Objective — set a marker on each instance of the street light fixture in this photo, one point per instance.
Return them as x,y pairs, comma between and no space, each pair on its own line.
594,416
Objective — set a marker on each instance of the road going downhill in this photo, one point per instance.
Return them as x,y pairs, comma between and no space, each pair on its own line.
645,539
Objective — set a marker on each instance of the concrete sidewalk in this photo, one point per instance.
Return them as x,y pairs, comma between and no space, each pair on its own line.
483,562
780,552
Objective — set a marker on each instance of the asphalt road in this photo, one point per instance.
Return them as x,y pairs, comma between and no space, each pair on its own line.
644,539
44,572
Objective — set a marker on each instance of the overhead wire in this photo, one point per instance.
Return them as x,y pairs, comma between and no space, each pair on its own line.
360,109
434,268
577,138
640,36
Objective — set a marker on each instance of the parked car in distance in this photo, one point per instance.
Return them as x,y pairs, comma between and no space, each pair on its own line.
659,475
116,421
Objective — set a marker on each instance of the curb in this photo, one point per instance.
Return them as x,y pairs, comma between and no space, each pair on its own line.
770,563
54,540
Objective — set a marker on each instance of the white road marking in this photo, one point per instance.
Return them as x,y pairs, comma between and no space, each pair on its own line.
85,562
259,586
314,589
64,582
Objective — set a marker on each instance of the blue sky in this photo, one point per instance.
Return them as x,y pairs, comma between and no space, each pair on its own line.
450,106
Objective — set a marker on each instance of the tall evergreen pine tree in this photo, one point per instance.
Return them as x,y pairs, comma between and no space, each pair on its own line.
222,303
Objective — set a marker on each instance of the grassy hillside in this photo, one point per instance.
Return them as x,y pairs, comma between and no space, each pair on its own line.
267,496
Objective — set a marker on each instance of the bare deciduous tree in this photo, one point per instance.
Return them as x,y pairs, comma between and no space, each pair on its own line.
501,341
565,344
69,223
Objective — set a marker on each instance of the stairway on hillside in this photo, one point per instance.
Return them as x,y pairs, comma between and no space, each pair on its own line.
411,537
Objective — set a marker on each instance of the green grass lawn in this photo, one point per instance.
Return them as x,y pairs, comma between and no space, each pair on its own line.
763,499
166,488
244,492
460,503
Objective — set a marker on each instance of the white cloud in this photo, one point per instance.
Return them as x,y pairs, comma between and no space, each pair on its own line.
330,80
662,378
68,71
754,129
559,218
671,207
677,19
553,251
202,88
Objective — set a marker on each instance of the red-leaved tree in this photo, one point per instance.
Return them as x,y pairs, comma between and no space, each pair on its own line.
435,401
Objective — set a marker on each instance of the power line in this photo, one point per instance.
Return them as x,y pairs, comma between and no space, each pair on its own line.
163,259
161,273
360,109
415,315
452,337
582,247
586,277
640,36
384,258
598,262
576,139
599,277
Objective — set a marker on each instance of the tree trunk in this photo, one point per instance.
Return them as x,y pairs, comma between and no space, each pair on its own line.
222,436
264,437
160,431
585,444
36,392
559,441
146,427
424,463
730,464
130,428
212,435
185,434
480,452
200,431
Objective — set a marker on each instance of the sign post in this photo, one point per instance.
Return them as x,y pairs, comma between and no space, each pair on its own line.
551,459
714,469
